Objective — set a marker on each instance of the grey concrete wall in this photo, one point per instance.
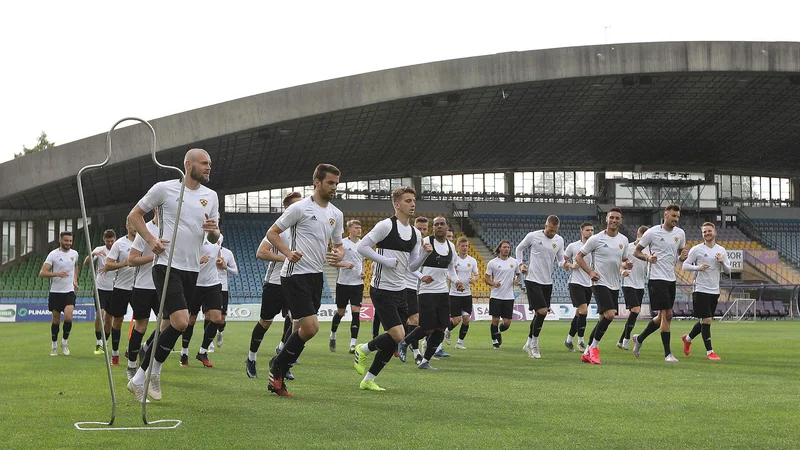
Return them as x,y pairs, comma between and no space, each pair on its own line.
432,207
772,213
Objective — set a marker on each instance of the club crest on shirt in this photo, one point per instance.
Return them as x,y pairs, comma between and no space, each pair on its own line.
469,264
676,239
554,245
620,246
203,202
72,258
331,221
511,265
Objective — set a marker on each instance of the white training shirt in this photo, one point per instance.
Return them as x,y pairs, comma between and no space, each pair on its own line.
62,262
543,253
665,245
465,268
504,271
391,278
607,255
351,277
196,204
273,274
104,282
119,253
440,276
144,273
232,269
209,276
312,226
637,276
578,276
707,281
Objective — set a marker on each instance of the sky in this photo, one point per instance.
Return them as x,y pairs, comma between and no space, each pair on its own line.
72,69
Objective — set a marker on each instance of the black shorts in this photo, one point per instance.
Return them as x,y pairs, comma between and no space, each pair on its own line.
303,294
206,298
460,305
181,286
118,305
633,297
501,308
662,294
704,304
412,302
58,301
143,301
434,311
105,298
606,298
347,293
225,300
538,295
580,295
272,302
390,307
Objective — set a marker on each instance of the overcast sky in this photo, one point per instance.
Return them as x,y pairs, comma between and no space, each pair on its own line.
72,69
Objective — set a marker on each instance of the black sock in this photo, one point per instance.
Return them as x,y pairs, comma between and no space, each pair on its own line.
665,336
133,345
166,340
629,324
149,342
706,335
221,328
257,336
108,336
451,325
696,329
54,331
462,333
416,334
355,325
291,352
187,336
287,331
573,327
538,320
380,342
594,331
67,328
434,340
648,330
209,334
116,336
581,325
206,322
495,332
98,335
414,342
376,327
533,324
335,325
600,329
386,347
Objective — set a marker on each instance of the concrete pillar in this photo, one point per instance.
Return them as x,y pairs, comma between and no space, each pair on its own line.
509,184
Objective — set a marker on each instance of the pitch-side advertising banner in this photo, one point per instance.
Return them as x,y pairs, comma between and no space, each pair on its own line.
8,313
40,313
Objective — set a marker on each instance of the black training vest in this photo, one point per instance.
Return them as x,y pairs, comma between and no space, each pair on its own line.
436,260
393,241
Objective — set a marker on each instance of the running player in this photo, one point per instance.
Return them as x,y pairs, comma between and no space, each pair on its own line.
502,274
349,285
580,288
461,301
60,267
105,286
117,261
633,282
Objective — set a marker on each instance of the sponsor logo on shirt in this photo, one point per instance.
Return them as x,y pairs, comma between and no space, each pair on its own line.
313,217
203,202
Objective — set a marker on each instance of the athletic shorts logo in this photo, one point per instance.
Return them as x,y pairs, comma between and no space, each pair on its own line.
331,221
203,202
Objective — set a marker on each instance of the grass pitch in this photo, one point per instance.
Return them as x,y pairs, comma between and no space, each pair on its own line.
480,397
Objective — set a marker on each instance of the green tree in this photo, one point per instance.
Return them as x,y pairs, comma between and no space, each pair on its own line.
41,144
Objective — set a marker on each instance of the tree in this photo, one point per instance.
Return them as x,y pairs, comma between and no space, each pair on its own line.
41,144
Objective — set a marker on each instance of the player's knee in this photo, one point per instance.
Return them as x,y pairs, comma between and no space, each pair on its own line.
466,320
668,315
610,314
541,311
354,310
636,309
340,312
265,324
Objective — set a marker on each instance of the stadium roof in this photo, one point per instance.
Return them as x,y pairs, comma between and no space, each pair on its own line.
680,106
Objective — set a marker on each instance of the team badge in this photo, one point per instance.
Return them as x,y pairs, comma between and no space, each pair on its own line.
676,240
469,264
72,258
331,221
511,265
203,202
554,245
620,246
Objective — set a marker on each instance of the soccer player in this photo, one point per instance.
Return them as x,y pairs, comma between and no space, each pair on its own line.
434,294
398,246
208,296
502,274
707,260
450,236
461,301
544,248
666,243
580,288
198,221
314,223
633,282
60,267
609,250
349,285
411,320
272,299
144,297
105,286
117,261
226,266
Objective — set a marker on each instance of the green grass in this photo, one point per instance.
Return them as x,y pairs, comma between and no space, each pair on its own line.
480,398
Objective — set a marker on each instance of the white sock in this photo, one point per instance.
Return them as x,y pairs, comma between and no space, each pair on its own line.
369,377
460,341
353,342
415,351
423,361
115,353
439,348
494,341
569,339
333,335
280,345
138,379
688,338
203,351
55,344
535,341
528,342
595,344
131,364
708,352
184,351
580,340
64,342
251,356
156,368
99,342
365,348
586,350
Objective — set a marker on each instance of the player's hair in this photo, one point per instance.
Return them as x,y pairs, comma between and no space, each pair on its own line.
497,249
421,219
462,239
64,233
642,229
399,191
287,200
586,224
352,222
323,170
615,209
553,221
675,208
709,224
108,234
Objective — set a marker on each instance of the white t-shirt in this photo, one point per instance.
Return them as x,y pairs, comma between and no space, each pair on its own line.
578,276
707,281
543,253
232,269
665,245
105,282
62,262
312,226
273,274
607,255
503,271
637,276
439,275
196,204
392,278
351,277
124,275
465,268
144,273
209,276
